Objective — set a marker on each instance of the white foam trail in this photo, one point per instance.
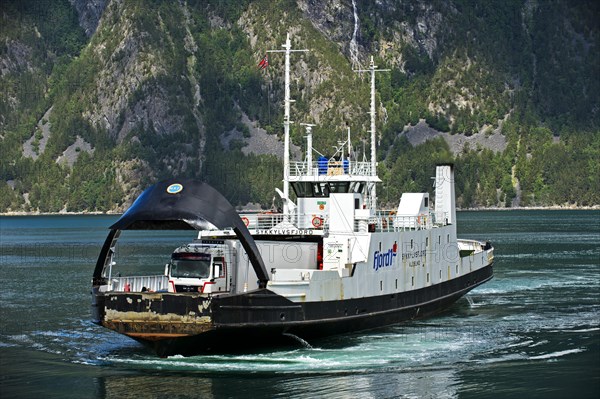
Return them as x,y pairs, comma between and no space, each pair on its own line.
519,344
242,363
556,354
542,342
586,330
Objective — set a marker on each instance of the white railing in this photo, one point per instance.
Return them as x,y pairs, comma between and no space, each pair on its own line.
138,283
279,221
383,221
386,221
389,221
331,168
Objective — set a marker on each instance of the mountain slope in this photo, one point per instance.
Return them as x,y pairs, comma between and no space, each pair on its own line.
101,98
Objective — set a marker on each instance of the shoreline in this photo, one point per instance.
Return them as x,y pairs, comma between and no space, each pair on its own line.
23,213
536,208
477,209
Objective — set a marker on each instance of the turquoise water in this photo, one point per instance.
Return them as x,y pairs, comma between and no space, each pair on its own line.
533,331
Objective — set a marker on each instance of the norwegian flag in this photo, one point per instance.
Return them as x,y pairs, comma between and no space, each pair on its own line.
264,62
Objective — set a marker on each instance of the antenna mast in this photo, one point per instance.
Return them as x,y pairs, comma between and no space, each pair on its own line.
309,127
372,69
286,122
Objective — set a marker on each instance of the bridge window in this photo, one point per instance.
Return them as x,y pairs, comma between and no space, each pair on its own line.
339,187
302,189
356,187
323,189
308,189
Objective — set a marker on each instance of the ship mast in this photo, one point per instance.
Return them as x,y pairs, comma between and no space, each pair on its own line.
372,69
286,122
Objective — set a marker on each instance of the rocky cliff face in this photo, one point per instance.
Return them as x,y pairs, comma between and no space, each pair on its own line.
89,12
398,24
410,37
145,91
127,92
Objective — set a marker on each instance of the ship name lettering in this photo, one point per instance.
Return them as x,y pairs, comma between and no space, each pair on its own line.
307,232
412,255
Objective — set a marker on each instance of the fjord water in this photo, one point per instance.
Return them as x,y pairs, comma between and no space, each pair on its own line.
533,331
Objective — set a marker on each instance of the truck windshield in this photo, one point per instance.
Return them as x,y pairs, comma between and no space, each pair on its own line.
191,267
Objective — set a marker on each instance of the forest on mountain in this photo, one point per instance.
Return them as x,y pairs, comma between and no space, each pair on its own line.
101,98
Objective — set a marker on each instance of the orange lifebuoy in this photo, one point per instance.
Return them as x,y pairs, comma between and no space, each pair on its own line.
317,222
419,219
246,221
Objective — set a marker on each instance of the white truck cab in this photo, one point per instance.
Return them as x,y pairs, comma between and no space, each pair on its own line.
199,267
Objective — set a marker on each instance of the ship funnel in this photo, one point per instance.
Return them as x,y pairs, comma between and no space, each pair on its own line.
445,205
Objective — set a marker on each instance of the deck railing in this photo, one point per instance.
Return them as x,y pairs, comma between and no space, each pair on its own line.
137,283
389,221
385,221
279,221
382,222
330,168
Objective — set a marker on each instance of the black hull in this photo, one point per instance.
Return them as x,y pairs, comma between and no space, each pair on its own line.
264,319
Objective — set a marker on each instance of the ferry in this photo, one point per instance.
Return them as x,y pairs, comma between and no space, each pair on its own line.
330,262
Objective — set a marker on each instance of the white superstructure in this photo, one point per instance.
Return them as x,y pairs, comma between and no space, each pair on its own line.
353,250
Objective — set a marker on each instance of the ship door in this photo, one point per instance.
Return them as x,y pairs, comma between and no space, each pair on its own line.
219,273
